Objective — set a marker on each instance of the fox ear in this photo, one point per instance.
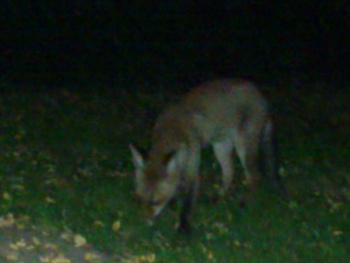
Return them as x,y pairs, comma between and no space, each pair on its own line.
172,164
174,160
137,158
169,157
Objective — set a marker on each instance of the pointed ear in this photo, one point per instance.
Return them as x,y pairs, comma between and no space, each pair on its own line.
137,158
173,162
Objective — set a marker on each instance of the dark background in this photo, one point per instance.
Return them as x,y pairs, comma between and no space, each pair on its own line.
58,43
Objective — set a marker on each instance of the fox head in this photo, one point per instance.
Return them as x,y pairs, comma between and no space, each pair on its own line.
156,181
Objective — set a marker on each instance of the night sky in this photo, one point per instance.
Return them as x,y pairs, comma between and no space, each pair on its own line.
62,42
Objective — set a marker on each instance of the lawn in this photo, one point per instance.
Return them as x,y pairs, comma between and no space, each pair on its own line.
66,183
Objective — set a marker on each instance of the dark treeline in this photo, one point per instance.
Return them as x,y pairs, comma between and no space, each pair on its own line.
63,41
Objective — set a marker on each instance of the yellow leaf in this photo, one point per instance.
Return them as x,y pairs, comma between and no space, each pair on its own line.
12,256
36,241
67,236
150,258
237,243
18,245
7,221
6,196
116,226
51,246
91,257
49,200
337,232
79,241
44,259
61,259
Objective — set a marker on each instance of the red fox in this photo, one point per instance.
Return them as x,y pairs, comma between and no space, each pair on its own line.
224,113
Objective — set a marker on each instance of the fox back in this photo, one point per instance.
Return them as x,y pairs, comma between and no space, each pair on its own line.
226,114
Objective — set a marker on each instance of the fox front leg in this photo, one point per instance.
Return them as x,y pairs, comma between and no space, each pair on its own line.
186,207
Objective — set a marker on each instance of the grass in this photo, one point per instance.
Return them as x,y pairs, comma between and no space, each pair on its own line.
65,165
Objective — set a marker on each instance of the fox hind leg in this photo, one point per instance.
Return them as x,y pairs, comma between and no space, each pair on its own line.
247,147
269,150
223,153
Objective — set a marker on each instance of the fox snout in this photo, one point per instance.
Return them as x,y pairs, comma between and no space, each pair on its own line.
152,211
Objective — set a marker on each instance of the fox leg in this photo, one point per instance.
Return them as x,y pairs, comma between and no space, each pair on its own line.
186,208
247,147
190,175
223,153
270,157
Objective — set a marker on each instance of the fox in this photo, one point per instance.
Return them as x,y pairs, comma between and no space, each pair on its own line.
226,114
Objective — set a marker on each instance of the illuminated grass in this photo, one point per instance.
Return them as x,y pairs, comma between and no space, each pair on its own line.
65,164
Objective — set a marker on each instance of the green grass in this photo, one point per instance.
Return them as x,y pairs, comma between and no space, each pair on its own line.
65,163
